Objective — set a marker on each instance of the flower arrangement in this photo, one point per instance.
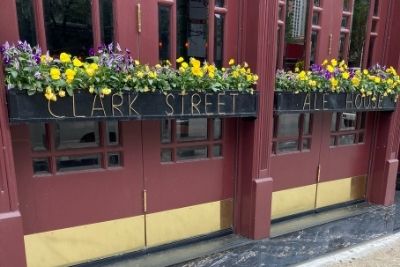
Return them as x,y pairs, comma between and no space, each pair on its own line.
110,70
336,77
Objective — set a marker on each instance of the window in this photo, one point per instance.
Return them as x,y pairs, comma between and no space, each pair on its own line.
292,132
191,139
68,25
164,32
75,146
192,29
347,128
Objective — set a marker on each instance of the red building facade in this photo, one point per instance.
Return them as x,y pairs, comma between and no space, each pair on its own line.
84,190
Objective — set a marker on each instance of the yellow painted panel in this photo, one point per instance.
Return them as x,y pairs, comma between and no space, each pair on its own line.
172,225
79,244
291,201
340,191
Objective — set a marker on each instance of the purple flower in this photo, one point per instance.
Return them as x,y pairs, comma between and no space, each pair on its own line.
38,75
328,75
91,52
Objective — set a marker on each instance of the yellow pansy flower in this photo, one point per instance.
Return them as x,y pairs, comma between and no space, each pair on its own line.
94,66
106,91
180,60
140,74
330,68
61,93
366,72
137,62
197,72
90,72
184,65
153,74
325,62
55,73
195,63
346,75
77,62
334,62
355,81
65,58
231,62
91,89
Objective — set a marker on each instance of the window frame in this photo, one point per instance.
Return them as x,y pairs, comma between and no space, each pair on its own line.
104,149
96,23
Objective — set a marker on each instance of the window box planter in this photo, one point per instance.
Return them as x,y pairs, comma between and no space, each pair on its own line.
130,106
288,102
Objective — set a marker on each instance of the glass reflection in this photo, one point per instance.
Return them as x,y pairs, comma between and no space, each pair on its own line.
219,39
360,17
296,21
192,28
68,26
164,26
191,129
26,21
106,21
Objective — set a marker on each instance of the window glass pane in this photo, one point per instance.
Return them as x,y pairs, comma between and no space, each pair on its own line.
345,21
288,125
106,21
287,146
334,121
219,3
191,129
217,150
342,43
307,124
192,29
166,131
219,40
187,153
358,29
332,142
376,8
361,138
346,139
75,163
296,21
166,155
346,5
38,136
114,159
363,118
41,166
317,2
306,144
314,43
348,121
217,129
68,26
164,35
315,18
26,21
77,134
113,132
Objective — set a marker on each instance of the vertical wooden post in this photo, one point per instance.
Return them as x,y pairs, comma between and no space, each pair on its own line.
254,187
384,163
12,251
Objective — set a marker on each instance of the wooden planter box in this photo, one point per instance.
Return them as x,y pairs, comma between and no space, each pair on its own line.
286,102
130,106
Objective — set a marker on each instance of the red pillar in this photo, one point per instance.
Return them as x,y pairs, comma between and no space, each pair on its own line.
384,163
254,184
12,250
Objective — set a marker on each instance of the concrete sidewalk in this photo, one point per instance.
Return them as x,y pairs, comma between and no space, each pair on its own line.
380,252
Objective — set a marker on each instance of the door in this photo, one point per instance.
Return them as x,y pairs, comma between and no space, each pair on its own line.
188,163
321,159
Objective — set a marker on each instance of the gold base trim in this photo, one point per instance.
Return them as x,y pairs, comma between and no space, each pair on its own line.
307,198
172,225
341,191
291,201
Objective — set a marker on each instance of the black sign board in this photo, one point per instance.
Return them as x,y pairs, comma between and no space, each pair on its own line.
130,106
286,102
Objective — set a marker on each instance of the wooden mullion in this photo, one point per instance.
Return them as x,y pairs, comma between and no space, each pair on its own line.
211,30
301,129
96,23
39,23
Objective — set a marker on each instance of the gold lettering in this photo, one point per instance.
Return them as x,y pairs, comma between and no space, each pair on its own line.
324,102
196,105
374,104
365,102
171,113
74,108
131,103
94,108
116,106
51,112
307,102
219,104
358,97
234,95
349,102
206,104
182,103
